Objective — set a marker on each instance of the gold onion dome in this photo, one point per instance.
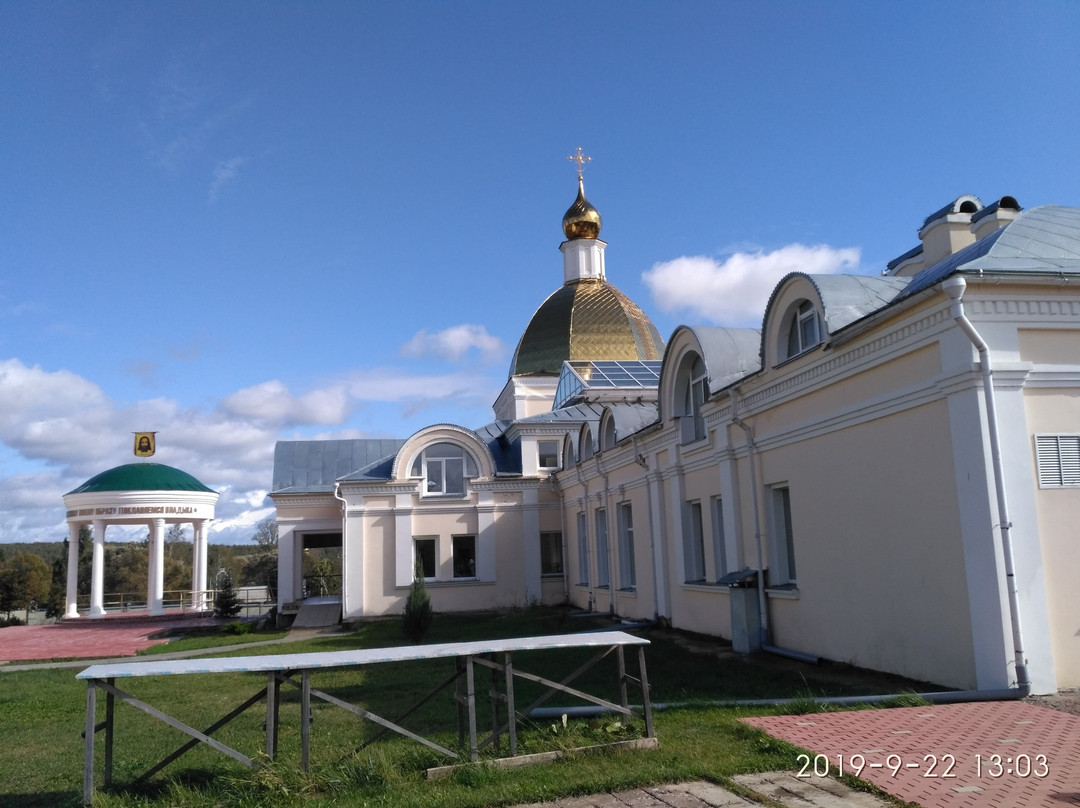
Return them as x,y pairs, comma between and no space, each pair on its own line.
581,220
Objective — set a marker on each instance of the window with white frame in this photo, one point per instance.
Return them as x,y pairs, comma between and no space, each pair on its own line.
585,445
719,545
444,468
603,565
583,550
547,454
803,328
551,560
782,544
425,557
607,435
625,524
1057,458
692,390
464,556
694,544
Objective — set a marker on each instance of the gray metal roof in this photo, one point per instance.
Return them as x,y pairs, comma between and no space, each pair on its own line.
729,353
313,466
631,418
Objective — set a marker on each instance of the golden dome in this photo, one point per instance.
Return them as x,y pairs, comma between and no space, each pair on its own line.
581,220
585,319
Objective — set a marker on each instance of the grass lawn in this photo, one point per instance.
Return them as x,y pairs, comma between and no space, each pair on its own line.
43,714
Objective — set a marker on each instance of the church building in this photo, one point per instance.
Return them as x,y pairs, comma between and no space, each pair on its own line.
886,473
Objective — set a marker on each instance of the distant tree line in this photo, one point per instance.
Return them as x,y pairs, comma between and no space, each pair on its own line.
35,575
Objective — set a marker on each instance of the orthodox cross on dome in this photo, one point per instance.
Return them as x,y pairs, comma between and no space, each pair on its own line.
581,160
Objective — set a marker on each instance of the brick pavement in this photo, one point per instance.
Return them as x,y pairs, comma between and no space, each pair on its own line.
976,755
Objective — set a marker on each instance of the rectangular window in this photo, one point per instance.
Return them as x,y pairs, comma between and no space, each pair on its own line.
583,550
694,544
548,452
627,572
782,546
464,549
1058,460
719,545
603,567
551,554
425,558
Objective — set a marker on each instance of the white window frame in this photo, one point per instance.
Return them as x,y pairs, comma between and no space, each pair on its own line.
694,390
547,459
551,550
455,543
603,562
803,330
1057,460
583,549
693,543
782,570
624,517
418,558
719,544
435,484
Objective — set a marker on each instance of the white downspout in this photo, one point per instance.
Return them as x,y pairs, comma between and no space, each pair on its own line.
954,287
344,551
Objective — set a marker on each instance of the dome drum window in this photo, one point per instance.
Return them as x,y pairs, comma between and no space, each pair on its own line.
444,468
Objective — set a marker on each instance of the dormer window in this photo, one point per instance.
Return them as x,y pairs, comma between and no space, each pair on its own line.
803,329
443,467
607,434
585,444
691,390
548,454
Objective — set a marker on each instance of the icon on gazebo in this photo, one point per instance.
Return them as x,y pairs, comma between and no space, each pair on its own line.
144,444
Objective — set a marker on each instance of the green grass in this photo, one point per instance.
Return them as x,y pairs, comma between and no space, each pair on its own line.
44,711
212,638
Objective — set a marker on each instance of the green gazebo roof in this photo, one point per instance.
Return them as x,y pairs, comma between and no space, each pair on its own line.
141,477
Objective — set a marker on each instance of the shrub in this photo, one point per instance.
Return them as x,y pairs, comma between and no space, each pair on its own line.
418,611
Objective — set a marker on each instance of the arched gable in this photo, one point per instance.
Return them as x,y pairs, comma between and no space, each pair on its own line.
729,354
443,433
791,329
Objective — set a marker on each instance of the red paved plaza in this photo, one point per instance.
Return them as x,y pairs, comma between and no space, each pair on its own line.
1003,754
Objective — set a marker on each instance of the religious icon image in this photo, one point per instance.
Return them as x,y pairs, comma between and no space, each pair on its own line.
144,444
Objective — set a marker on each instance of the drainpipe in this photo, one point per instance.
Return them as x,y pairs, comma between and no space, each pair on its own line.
759,541
954,287
344,551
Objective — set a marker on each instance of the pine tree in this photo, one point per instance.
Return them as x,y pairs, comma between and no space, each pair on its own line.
418,611
226,601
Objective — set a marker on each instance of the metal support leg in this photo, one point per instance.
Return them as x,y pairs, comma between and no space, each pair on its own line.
109,707
646,703
623,699
495,697
511,716
88,745
273,692
470,698
305,719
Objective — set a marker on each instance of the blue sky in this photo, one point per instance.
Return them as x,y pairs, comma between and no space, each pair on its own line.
238,222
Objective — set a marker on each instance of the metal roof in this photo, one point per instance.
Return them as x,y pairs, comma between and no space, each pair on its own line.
313,466
141,477
578,378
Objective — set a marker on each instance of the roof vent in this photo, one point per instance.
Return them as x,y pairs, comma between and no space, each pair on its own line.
994,217
948,230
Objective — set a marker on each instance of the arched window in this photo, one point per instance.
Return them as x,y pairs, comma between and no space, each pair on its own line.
691,390
607,434
801,330
585,444
443,467
569,456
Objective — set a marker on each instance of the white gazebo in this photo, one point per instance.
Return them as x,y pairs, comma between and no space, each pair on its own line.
149,494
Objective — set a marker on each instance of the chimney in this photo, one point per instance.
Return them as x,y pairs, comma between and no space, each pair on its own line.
948,230
994,217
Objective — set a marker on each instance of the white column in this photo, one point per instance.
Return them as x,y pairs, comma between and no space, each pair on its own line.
97,580
204,549
485,541
195,528
404,558
530,534
72,609
156,584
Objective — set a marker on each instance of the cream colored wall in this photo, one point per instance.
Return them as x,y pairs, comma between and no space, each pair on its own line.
880,576
1057,410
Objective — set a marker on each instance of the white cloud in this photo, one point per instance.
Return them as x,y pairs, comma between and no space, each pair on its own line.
58,429
733,291
454,343
224,173
272,402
